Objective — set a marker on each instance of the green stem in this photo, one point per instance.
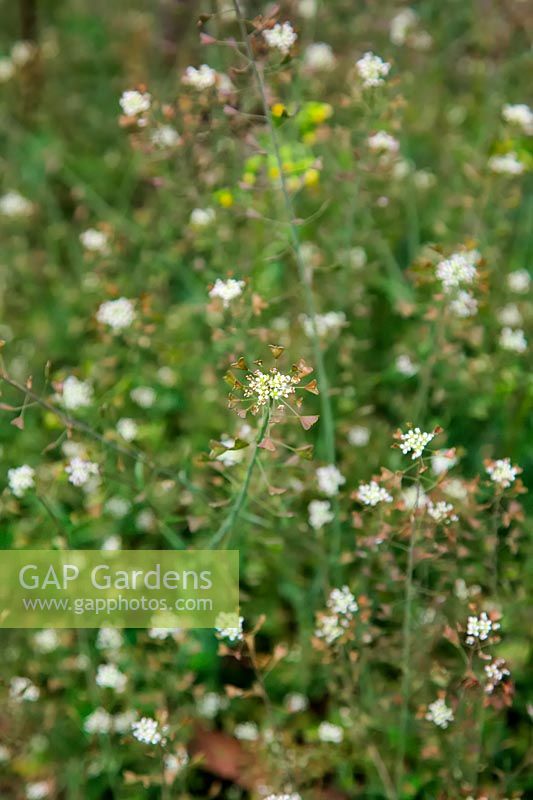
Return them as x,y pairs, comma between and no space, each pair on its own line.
240,501
325,400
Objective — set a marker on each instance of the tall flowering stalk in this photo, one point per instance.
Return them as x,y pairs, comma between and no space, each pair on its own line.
325,401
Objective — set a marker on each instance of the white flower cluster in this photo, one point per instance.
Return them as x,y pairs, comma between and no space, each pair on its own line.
343,603
229,626
442,461
227,290
133,102
496,672
330,733
502,472
372,69
266,386
281,37
246,732
329,323
108,676
520,115
75,393
439,713
95,241
509,164
415,441
144,396
358,436
127,428
464,305
210,703
320,513
513,339
101,721
202,217
37,790
20,479
22,689
519,281
165,136
147,731
329,479
383,142
46,641
441,512
80,471
109,639
372,493
401,25
118,314
200,79
459,268
480,628
510,315
175,762
296,702
406,366
319,57
13,204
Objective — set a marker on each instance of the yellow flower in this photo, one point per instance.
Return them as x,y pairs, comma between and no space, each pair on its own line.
225,198
278,110
311,177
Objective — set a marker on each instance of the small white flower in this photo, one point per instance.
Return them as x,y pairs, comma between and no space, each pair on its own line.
327,732
266,386
281,37
502,472
329,480
358,436
509,164
165,137
480,628
519,281
514,340
464,305
383,142
22,689
414,497
46,641
296,702
247,732
319,57
94,240
357,257
210,703
118,314
372,493
320,513
109,639
459,268
442,461
109,676
127,428
75,393
510,315
342,603
133,103
20,479
439,713
200,79
406,366
415,440
496,672
122,722
22,53
147,731
325,324
329,628
99,721
7,70
227,290
145,520
372,69
520,115
175,762
229,626
112,543
144,396
202,217
37,790
13,204
118,507
441,512
401,25
79,471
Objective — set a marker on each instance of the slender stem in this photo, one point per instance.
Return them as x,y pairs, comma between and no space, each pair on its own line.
325,399
406,637
228,524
